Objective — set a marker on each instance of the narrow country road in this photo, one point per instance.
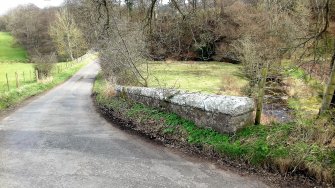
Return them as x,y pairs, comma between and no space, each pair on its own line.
59,140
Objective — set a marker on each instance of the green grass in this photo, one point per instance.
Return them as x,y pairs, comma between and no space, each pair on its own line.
25,72
306,146
305,91
208,77
10,50
15,96
12,57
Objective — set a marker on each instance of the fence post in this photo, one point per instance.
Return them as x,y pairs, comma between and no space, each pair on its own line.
24,77
7,81
17,80
36,75
260,96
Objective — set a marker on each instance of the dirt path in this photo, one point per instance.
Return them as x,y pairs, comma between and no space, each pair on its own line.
58,140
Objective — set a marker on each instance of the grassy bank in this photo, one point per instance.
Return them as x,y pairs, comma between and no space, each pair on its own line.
305,91
15,96
303,147
10,51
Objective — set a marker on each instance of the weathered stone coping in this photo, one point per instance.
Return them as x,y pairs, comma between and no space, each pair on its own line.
222,113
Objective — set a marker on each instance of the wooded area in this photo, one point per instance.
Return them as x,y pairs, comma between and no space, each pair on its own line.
257,33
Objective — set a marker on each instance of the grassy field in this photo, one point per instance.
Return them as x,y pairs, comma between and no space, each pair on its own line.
208,77
25,72
9,50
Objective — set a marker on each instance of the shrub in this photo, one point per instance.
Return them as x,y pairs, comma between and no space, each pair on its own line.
44,64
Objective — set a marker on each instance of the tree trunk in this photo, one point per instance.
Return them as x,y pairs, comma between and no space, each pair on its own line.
120,9
69,47
260,97
221,7
142,7
328,96
332,105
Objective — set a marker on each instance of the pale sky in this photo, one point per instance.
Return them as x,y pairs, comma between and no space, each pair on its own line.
6,5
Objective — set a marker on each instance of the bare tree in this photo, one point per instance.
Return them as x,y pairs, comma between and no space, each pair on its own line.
68,38
3,23
29,25
329,94
265,32
119,41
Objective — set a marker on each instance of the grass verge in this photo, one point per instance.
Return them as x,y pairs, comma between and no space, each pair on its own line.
15,96
295,148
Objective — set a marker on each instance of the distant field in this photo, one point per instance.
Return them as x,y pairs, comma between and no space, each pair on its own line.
208,77
9,50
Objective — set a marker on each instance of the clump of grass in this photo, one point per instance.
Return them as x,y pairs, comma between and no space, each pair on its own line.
229,86
302,146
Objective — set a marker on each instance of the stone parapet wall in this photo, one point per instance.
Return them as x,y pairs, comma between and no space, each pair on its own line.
225,114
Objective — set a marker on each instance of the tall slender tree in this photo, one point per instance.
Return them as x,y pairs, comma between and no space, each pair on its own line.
66,35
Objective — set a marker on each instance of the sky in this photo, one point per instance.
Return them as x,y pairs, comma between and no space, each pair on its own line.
6,5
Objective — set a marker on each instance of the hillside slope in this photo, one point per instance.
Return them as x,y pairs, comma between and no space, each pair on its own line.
10,50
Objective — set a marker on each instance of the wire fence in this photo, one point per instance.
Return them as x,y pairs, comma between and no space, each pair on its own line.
17,79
